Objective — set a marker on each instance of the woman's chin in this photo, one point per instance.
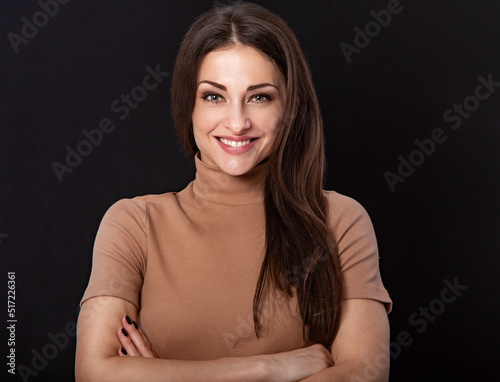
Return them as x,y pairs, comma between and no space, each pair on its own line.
236,167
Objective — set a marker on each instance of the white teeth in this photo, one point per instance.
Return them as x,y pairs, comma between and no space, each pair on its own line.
234,143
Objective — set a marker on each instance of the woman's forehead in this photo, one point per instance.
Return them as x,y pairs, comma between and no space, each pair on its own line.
239,64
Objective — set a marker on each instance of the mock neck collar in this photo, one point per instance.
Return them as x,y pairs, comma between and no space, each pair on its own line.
213,184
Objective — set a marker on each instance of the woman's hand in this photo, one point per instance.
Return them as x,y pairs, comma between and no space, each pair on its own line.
298,364
289,366
134,342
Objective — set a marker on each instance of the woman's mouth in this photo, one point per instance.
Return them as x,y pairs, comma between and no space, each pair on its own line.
239,146
235,143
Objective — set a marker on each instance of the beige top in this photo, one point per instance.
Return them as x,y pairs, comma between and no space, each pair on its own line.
189,261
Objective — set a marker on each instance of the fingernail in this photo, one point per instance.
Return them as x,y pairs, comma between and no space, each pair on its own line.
124,351
129,321
135,325
124,332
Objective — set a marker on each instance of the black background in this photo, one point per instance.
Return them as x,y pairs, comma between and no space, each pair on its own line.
439,224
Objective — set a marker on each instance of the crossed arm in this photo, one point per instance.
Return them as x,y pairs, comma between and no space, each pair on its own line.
360,349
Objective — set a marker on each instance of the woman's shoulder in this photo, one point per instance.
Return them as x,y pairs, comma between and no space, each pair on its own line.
138,206
357,249
347,216
343,206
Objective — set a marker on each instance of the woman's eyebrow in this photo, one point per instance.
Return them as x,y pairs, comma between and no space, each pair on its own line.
222,87
253,87
250,88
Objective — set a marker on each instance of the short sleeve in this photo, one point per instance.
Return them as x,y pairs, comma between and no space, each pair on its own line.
357,250
120,252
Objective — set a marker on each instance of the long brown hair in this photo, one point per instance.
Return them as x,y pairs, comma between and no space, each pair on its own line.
300,249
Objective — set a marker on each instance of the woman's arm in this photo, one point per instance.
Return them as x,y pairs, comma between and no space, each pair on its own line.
97,357
361,348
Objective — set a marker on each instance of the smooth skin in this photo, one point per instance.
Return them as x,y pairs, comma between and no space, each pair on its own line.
241,93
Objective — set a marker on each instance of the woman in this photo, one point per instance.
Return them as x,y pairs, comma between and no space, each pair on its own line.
252,272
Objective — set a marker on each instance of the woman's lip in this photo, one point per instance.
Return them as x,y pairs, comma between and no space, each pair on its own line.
236,139
236,150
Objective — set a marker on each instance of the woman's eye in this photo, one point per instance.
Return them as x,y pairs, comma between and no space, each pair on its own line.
261,98
215,98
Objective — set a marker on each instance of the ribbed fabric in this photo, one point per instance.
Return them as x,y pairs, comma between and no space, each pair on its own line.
189,261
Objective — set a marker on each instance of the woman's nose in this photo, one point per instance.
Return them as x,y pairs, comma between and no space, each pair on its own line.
237,119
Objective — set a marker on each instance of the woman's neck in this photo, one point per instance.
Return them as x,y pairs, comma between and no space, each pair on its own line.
215,185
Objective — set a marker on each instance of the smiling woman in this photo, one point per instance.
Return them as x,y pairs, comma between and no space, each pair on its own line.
239,107
252,242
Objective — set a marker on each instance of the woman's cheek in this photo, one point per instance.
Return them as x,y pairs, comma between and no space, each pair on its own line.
270,122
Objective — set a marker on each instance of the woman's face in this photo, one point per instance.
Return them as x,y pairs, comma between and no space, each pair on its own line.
239,107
